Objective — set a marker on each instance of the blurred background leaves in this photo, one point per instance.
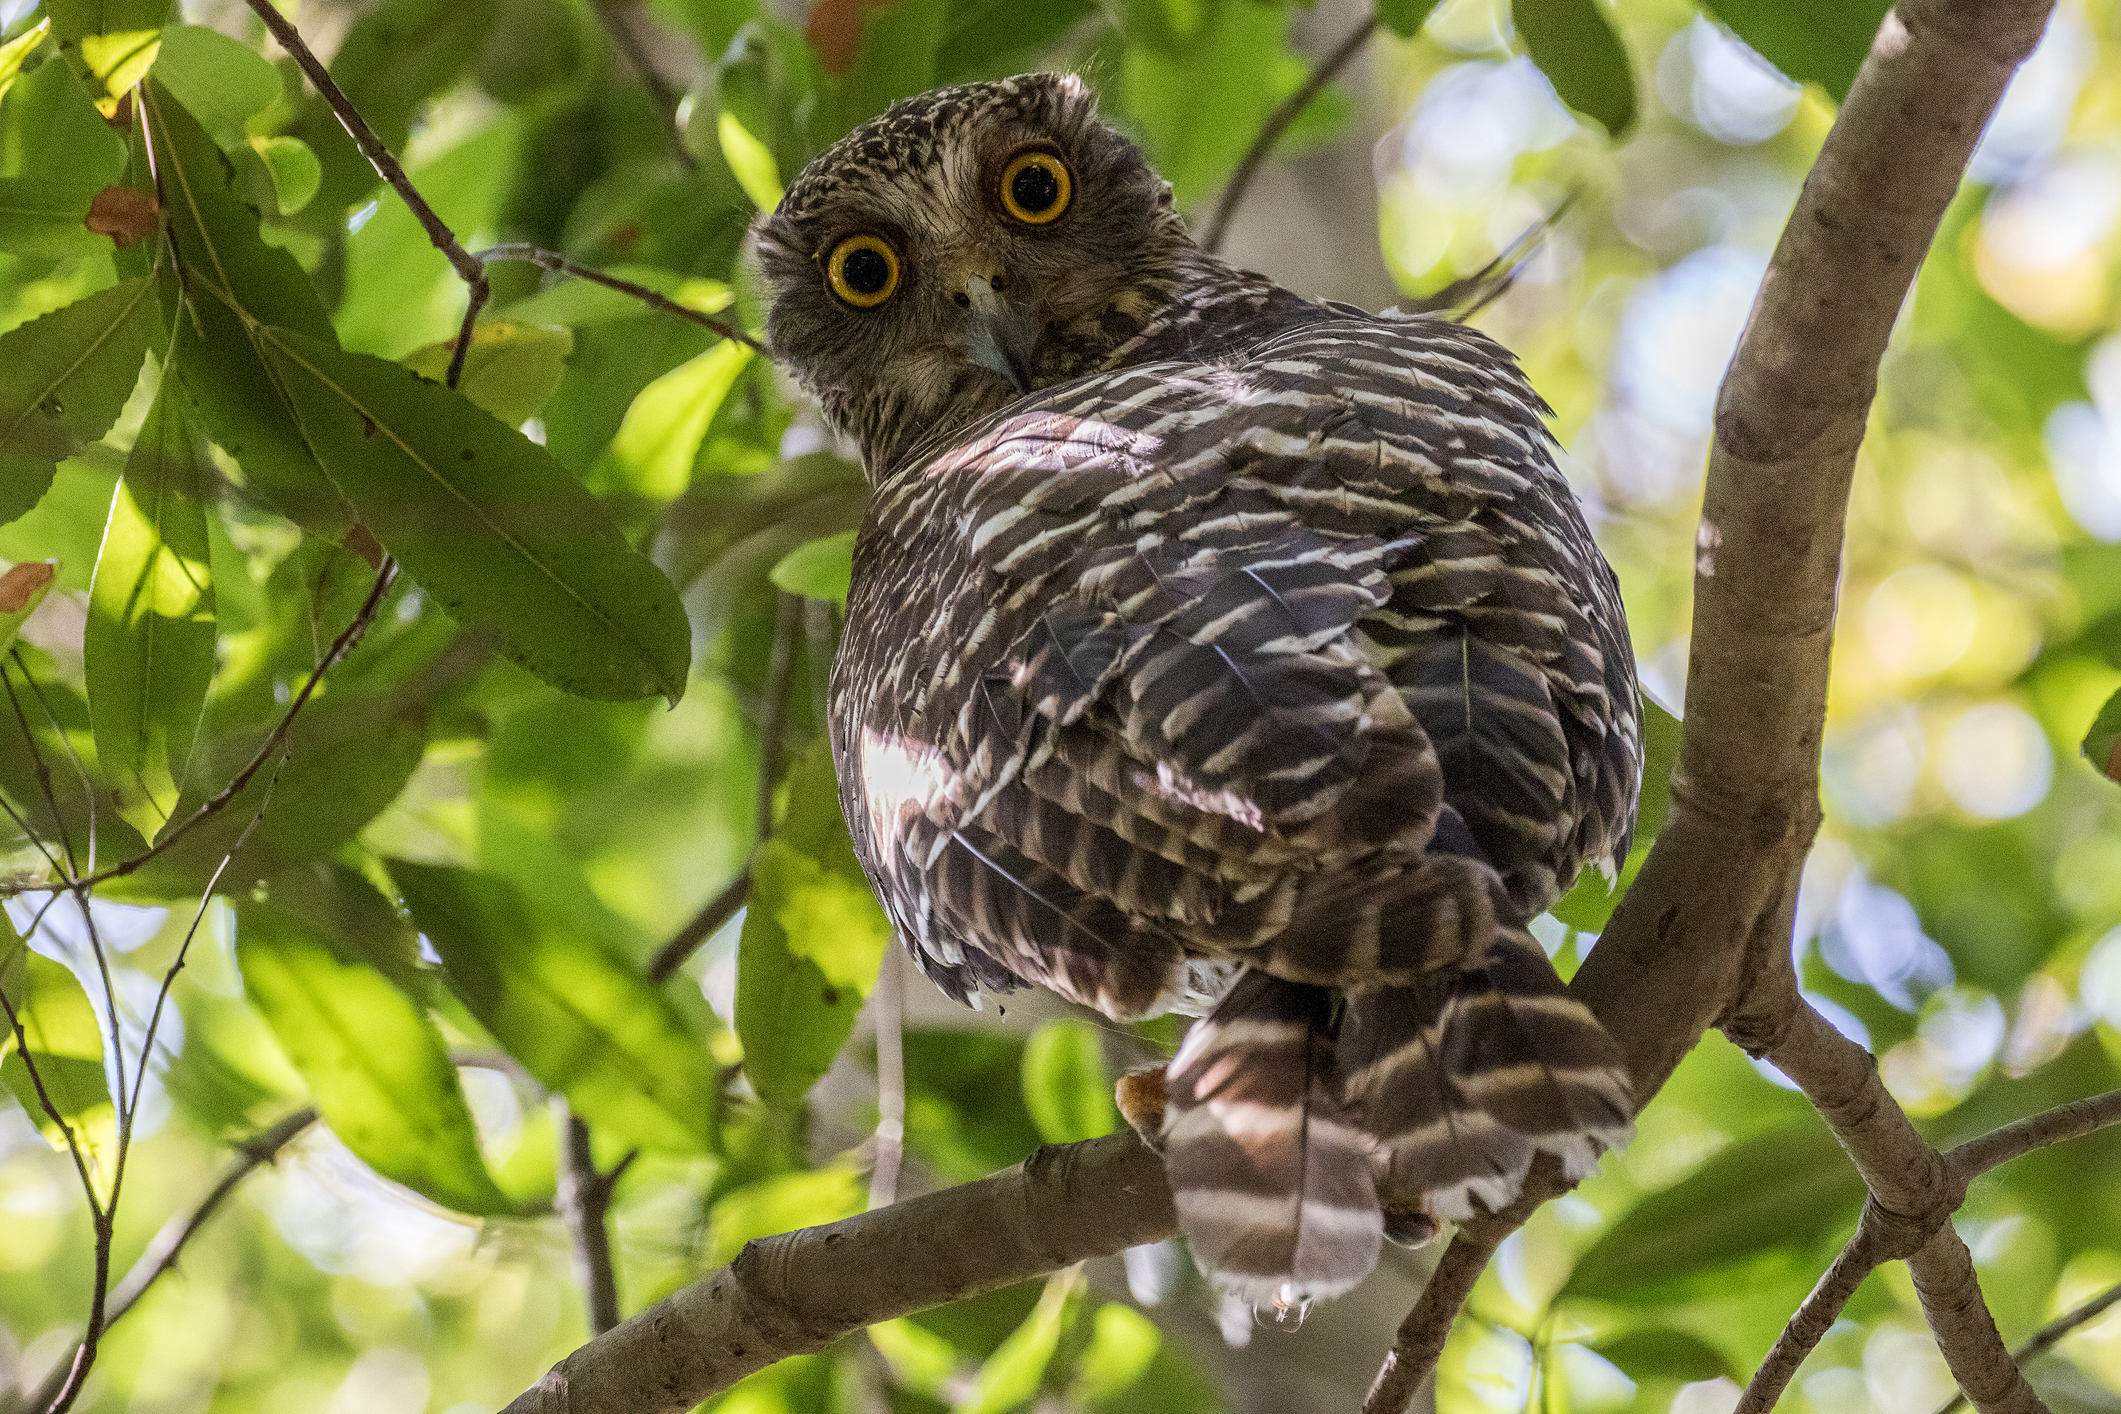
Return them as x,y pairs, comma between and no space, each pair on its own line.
446,914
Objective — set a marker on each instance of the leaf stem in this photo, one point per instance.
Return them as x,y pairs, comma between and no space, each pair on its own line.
1211,239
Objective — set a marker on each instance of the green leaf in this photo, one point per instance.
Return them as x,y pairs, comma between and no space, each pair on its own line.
1123,1345
63,379
119,59
1012,1373
233,283
349,755
779,1204
751,161
1789,1186
2102,744
491,527
920,1360
818,569
1812,41
374,1062
660,439
219,81
791,1020
580,1020
509,370
290,167
1406,17
1659,1352
65,1044
22,589
151,632
77,19
1573,43
1065,1085
18,49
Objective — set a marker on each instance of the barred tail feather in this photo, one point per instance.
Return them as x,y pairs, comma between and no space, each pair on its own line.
1461,1081
1271,1175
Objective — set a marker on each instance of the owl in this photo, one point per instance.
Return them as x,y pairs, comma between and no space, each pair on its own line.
1213,649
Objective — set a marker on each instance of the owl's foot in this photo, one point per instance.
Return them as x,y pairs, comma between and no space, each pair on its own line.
1412,1224
1141,1097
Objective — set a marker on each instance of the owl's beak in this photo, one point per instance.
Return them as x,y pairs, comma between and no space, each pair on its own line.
1000,336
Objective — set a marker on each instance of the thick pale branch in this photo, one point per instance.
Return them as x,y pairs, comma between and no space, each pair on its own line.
800,1291
1703,936
1958,1315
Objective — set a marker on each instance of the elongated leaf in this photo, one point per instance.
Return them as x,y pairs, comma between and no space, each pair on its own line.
510,369
63,379
2102,743
1065,1085
580,1020
151,633
232,283
489,525
348,757
1812,41
1012,1373
813,939
1660,1352
65,1045
375,1064
1573,43
661,436
1789,1186
18,49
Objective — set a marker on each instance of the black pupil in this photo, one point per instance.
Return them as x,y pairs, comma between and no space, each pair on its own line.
866,271
1035,188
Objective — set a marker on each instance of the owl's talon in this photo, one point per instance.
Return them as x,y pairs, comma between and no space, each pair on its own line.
1412,1224
1142,1099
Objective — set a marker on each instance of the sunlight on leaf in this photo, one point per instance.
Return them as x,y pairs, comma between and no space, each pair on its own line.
1065,1084
18,49
120,61
63,379
151,632
782,1204
751,160
510,369
660,439
818,569
1012,1373
1123,1344
47,1006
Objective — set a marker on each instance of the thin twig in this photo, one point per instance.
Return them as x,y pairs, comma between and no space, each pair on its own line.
469,267
704,925
1278,121
2051,1335
340,647
617,25
583,1197
560,264
1421,1335
2055,1126
887,1005
1810,1324
43,773
168,1245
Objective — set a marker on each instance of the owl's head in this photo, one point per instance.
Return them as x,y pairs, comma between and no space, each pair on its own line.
966,247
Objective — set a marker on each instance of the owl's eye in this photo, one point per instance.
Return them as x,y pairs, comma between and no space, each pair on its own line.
1036,187
862,270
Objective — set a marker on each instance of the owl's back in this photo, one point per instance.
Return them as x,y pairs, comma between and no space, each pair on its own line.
1283,648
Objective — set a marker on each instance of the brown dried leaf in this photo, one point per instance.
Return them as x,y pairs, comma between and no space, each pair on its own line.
123,214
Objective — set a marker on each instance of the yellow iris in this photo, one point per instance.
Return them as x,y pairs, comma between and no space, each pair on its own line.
1036,187
863,270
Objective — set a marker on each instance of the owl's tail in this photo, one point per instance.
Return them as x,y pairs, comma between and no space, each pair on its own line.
1459,1082
1292,1110
1270,1174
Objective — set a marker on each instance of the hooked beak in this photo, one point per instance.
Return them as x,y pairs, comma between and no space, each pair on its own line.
999,336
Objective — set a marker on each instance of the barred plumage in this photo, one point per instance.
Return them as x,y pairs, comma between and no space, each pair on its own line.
1210,633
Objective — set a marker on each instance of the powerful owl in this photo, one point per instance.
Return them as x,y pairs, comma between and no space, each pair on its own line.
1213,649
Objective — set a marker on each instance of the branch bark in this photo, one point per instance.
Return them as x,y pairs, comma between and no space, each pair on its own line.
797,1292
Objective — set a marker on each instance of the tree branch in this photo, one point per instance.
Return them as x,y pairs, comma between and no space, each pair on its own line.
2055,1126
1813,1320
583,1197
703,925
798,1292
1703,936
561,265
1211,238
2051,1335
1966,1333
